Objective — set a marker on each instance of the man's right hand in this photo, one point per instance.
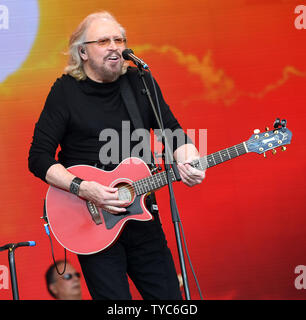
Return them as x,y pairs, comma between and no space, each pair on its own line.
102,196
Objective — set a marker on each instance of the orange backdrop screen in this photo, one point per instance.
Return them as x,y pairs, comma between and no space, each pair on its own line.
226,66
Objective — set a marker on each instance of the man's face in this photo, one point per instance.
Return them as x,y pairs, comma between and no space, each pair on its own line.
68,285
103,62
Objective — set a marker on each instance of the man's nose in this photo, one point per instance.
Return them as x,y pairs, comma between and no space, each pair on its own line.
112,45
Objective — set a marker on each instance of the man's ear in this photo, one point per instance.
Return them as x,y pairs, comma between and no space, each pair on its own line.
53,288
82,52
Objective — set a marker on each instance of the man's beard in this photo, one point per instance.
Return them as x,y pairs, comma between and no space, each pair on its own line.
106,73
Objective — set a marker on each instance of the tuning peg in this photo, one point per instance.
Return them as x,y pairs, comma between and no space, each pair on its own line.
273,151
256,131
284,148
277,123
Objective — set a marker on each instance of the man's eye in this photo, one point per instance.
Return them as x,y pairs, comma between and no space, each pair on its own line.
103,41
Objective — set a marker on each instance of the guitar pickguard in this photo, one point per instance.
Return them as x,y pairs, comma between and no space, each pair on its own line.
112,219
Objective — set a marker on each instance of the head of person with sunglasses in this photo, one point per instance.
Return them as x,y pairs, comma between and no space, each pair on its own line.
95,49
66,286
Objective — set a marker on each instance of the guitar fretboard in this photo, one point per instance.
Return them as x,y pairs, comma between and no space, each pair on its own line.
159,180
153,182
221,156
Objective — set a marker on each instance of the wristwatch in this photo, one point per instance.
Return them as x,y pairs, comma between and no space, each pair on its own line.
75,185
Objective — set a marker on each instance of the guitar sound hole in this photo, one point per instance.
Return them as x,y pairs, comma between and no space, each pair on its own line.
125,192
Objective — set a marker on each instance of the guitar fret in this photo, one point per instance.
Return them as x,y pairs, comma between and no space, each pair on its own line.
164,178
241,149
233,152
217,157
154,184
159,180
228,153
224,155
211,160
139,188
142,188
236,149
146,184
134,185
204,163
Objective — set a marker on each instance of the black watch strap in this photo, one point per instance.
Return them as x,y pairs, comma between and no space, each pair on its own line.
75,185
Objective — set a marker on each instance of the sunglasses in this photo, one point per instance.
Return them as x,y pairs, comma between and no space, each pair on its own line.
68,276
107,41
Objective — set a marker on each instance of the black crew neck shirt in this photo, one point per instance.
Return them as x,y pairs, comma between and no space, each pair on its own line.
75,114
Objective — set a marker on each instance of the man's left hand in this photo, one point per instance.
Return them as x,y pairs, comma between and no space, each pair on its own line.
190,176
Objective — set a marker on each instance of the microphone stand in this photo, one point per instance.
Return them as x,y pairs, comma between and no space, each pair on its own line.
173,205
11,257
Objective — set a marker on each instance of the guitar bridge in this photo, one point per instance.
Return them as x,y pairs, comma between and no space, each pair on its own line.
94,212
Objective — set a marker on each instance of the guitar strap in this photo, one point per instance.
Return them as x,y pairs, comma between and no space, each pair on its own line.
130,102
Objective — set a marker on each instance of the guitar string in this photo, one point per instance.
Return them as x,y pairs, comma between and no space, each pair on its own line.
270,133
142,184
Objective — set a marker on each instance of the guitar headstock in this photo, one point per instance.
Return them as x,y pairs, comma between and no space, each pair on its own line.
270,139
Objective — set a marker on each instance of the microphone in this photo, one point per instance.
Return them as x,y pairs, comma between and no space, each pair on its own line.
19,244
128,54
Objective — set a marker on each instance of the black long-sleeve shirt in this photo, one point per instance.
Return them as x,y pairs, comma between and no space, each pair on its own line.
76,112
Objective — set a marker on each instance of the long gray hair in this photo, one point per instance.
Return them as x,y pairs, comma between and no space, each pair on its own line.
75,62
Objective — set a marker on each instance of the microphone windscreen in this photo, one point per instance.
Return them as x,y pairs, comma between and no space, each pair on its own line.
125,54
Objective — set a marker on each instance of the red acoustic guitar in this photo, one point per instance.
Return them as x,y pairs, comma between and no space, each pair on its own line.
81,227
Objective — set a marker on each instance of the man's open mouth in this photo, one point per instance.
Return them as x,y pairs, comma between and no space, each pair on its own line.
113,58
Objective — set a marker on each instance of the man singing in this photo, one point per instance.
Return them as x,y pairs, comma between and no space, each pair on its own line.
82,103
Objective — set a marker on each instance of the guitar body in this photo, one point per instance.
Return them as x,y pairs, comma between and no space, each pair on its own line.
70,220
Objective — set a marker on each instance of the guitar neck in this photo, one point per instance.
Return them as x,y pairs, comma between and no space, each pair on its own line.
159,180
220,156
153,182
